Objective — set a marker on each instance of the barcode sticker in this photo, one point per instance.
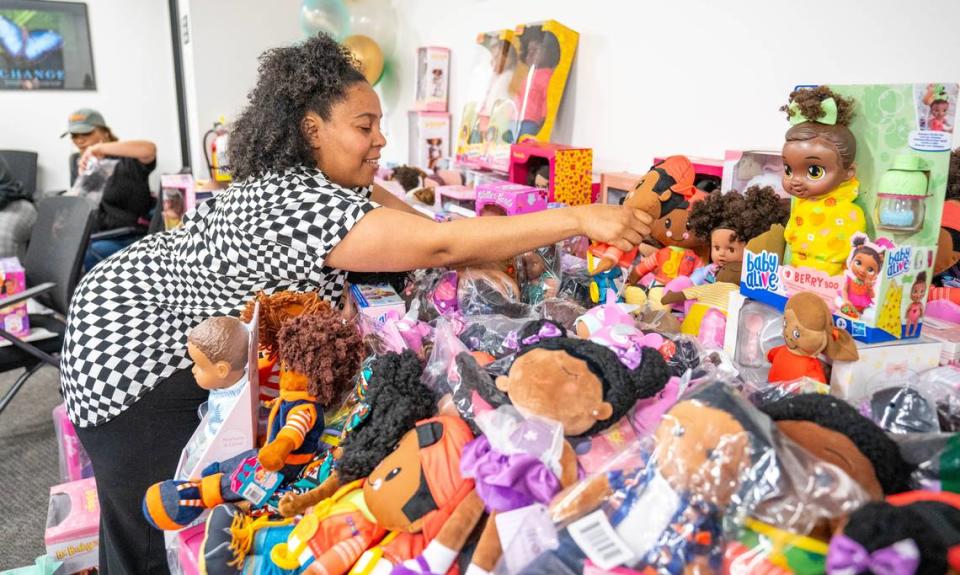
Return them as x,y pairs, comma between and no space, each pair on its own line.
254,493
597,539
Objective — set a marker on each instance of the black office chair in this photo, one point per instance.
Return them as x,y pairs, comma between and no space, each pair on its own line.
52,265
23,168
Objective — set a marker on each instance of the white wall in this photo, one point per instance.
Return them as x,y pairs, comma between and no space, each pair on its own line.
133,61
225,40
690,76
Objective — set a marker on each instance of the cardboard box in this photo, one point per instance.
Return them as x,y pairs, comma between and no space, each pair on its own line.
948,334
73,525
13,280
429,138
570,170
850,379
433,79
510,199
375,300
74,461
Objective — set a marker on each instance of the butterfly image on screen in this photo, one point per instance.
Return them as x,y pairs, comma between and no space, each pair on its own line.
27,46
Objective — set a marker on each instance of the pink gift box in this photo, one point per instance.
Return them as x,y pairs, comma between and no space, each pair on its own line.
73,525
13,280
512,199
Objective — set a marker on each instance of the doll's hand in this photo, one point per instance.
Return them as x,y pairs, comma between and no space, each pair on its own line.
288,505
273,454
622,228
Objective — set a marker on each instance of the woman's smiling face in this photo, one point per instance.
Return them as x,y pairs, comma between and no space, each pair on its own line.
347,146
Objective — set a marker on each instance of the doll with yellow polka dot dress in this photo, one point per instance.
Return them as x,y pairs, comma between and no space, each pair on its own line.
819,172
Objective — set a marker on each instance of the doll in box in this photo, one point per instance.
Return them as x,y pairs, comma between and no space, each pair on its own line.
938,99
540,51
918,294
218,348
819,172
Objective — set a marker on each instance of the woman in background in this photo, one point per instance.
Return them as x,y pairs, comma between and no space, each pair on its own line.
125,201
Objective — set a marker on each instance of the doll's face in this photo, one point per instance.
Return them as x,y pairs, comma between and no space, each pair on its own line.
393,483
725,248
541,181
865,267
558,386
812,168
918,291
939,110
837,449
673,230
701,449
210,374
799,339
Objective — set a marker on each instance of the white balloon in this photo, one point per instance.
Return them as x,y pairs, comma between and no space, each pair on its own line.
328,16
376,19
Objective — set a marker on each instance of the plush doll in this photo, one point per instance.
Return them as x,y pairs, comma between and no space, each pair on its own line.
218,348
668,185
836,433
819,172
397,478
682,252
320,354
913,533
808,331
580,384
710,460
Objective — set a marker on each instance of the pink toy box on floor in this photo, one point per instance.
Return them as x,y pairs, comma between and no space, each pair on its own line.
565,171
73,525
74,461
507,199
13,280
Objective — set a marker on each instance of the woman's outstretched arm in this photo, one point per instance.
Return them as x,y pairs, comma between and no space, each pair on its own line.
392,240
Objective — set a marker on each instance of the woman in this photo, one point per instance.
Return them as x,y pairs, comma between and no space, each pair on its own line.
299,217
125,200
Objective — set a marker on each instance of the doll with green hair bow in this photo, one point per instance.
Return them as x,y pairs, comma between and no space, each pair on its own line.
819,172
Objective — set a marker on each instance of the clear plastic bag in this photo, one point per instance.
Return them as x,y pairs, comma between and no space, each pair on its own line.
935,458
564,312
539,274
899,402
687,492
397,333
496,335
91,182
485,291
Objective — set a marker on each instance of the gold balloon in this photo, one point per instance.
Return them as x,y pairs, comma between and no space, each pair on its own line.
368,53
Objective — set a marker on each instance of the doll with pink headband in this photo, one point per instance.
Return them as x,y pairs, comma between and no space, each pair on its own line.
864,266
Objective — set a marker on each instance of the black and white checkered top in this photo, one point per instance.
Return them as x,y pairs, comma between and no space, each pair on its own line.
128,322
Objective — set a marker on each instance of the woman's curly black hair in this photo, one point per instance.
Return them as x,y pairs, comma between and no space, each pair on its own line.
397,400
747,215
292,80
892,471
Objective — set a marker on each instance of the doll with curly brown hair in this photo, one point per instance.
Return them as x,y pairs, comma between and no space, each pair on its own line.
819,172
728,221
319,354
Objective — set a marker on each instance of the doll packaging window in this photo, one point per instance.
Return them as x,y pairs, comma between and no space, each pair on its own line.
177,198
748,168
614,186
455,201
518,83
13,280
708,173
566,172
429,139
238,432
865,242
433,79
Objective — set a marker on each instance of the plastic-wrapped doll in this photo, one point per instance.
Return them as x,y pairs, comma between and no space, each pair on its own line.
538,274
863,268
540,51
808,331
913,533
667,186
819,172
728,221
218,348
666,516
580,384
320,354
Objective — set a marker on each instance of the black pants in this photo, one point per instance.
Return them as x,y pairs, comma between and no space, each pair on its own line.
129,453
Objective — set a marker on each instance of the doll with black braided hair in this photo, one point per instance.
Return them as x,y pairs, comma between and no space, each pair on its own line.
819,172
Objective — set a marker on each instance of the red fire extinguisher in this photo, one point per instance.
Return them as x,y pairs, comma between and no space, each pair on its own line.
216,151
